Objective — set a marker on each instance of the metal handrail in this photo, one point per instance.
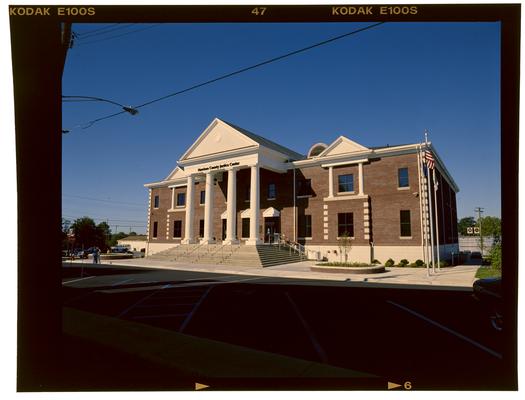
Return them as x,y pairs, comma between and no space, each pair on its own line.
233,249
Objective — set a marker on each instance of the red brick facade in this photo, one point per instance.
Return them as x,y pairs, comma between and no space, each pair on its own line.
381,192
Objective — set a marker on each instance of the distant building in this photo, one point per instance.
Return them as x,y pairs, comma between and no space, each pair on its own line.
375,195
134,243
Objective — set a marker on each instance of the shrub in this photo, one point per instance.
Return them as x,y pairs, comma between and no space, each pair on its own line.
376,261
389,263
403,262
495,256
443,264
419,263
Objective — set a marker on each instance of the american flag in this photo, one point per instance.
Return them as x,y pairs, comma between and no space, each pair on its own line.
429,159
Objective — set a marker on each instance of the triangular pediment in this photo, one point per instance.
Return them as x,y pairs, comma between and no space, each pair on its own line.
343,145
177,173
218,138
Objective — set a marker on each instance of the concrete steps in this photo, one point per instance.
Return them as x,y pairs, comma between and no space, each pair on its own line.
236,255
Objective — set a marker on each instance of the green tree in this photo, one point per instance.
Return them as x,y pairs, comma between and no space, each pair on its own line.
103,236
85,231
491,226
464,223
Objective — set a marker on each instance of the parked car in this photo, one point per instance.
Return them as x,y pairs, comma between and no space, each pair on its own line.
120,249
80,253
488,292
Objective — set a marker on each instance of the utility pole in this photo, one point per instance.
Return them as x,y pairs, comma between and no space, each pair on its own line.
67,42
479,210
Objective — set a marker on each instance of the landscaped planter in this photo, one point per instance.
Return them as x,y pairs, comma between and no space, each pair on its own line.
372,269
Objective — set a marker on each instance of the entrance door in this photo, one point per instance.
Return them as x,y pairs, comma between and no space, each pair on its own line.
271,227
223,229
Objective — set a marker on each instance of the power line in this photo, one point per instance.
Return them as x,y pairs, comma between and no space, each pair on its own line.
102,200
96,32
90,123
117,36
102,219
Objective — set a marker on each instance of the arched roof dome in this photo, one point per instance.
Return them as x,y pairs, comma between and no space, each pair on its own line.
316,149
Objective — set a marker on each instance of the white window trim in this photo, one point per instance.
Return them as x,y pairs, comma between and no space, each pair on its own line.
349,237
304,238
403,188
405,237
304,196
178,209
343,193
270,198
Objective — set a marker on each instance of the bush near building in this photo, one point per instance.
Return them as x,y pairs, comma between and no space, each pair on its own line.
389,263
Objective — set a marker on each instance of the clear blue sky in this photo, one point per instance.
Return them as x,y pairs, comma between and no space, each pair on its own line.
382,86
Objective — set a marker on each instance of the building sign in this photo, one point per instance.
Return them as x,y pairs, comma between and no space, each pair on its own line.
473,230
218,166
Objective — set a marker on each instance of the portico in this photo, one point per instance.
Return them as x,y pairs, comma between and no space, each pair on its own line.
220,153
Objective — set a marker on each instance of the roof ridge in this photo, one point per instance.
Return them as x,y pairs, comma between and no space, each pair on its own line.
259,138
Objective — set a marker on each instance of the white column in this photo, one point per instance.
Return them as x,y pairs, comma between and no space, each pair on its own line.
330,181
172,198
231,208
208,210
254,207
188,224
361,191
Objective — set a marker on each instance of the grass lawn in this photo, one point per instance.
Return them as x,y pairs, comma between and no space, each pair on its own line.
488,272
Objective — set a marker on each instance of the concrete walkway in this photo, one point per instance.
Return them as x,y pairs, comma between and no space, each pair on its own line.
460,277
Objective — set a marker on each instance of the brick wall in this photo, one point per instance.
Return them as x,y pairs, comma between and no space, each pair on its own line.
384,202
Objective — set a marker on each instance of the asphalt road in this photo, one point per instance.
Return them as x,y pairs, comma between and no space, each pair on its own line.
432,339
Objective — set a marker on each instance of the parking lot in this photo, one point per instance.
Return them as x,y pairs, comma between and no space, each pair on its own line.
434,339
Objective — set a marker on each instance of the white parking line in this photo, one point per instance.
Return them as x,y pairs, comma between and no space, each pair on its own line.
459,335
122,282
76,280
315,343
192,313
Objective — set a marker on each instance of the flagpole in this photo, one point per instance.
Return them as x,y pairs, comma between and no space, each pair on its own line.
430,211
436,216
421,204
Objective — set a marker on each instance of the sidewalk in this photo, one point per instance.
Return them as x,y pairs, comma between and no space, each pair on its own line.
460,277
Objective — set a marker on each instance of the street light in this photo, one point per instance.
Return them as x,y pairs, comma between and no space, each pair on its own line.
128,109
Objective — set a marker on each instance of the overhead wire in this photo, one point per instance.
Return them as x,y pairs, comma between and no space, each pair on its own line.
116,36
90,35
103,200
272,60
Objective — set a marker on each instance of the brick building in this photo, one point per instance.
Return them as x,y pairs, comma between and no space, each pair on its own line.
376,196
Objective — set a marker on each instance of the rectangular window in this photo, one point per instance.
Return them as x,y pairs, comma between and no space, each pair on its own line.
305,226
402,177
245,232
346,183
201,228
203,197
156,202
404,217
181,199
304,187
177,229
345,224
155,228
272,193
